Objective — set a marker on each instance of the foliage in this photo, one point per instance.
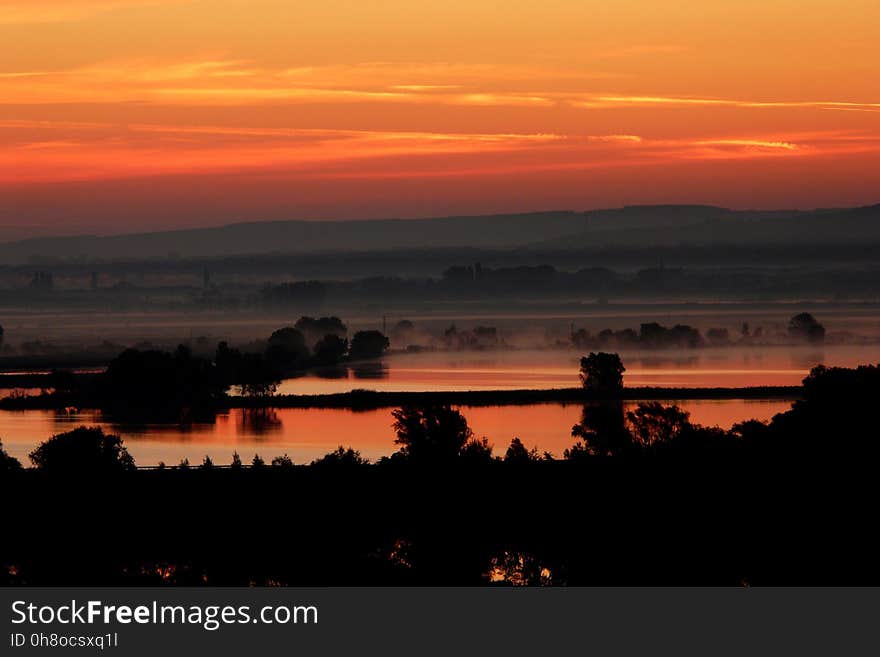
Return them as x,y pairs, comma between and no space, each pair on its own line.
431,434
81,451
602,373
368,344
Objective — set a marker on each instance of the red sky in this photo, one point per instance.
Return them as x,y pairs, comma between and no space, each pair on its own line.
122,115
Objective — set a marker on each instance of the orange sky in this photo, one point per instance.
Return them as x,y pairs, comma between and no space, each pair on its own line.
119,115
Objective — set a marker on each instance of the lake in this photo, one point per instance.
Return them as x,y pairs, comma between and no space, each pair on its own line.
497,370
305,434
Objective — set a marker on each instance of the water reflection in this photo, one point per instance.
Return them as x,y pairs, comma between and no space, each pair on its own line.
307,434
541,369
260,421
370,370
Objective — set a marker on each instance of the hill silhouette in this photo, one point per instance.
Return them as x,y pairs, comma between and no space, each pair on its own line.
698,225
493,231
626,227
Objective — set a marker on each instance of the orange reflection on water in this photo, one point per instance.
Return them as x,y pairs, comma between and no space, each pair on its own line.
306,434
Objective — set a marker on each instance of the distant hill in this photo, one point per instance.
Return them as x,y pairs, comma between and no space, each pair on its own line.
631,226
697,225
490,231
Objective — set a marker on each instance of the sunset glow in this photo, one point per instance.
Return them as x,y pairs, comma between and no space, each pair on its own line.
120,115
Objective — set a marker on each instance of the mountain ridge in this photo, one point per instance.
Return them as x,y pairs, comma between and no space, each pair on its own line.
626,226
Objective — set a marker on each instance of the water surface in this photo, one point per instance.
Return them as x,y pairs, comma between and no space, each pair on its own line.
305,434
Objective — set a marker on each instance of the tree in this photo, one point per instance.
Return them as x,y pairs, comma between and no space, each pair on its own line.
602,373
805,327
8,463
601,431
330,349
432,434
159,382
314,329
341,457
368,344
477,451
287,348
654,424
257,376
236,461
518,453
83,450
63,382
283,461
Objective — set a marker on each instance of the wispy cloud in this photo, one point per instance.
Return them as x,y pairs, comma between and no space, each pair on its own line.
748,143
45,151
612,101
220,81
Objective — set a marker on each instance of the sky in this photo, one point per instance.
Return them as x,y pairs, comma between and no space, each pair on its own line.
130,115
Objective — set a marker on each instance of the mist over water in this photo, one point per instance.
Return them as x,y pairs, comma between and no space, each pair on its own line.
545,369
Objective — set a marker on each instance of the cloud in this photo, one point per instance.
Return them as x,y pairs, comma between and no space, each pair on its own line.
44,151
748,143
216,80
612,101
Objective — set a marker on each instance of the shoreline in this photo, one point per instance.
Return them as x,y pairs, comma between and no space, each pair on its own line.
369,399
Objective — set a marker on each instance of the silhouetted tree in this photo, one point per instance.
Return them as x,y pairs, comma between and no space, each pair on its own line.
257,376
315,329
433,434
476,451
236,461
653,424
159,382
602,430
8,463
330,349
83,450
207,463
805,327
654,336
287,348
368,344
602,373
257,461
63,382
283,461
341,457
517,453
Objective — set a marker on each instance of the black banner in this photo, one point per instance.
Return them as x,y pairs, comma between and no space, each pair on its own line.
440,621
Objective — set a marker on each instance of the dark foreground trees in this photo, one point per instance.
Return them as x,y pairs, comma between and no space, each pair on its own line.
83,451
789,502
8,463
433,435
